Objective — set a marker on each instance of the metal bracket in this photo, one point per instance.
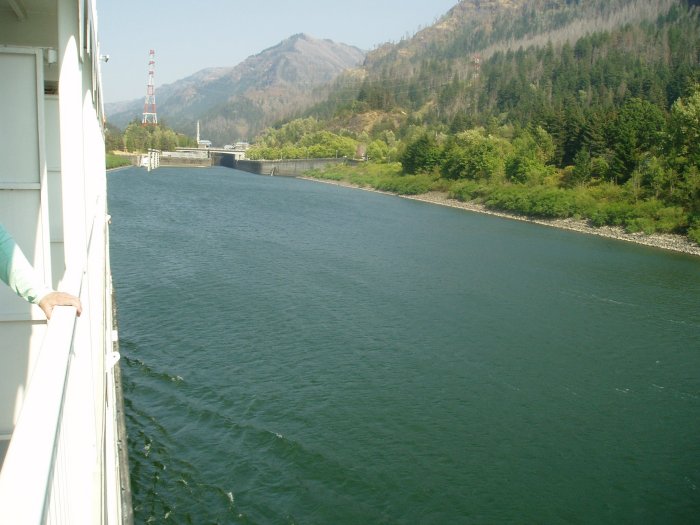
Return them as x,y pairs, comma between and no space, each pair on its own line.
111,359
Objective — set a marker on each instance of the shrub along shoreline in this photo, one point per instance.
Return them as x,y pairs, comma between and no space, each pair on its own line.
596,211
666,241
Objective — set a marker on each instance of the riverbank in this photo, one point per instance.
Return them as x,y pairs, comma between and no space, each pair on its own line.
676,243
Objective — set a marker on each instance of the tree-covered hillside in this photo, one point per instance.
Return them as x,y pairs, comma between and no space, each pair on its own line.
137,138
236,103
592,107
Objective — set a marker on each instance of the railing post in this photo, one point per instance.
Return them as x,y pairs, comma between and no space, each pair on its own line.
77,221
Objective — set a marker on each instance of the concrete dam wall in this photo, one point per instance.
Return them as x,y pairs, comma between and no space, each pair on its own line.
279,168
183,162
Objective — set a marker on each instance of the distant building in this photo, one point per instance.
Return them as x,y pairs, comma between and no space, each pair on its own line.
202,144
237,150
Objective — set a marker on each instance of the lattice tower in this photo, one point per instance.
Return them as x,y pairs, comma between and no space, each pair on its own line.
149,106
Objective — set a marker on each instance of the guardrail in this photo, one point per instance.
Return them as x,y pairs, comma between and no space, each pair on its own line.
34,466
62,464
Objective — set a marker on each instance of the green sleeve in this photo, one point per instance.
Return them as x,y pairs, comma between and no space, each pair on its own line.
16,271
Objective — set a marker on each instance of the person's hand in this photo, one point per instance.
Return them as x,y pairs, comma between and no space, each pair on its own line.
52,299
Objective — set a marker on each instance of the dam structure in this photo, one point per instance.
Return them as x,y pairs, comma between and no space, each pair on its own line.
277,168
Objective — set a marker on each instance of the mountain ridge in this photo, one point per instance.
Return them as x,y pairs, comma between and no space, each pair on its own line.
235,103
483,26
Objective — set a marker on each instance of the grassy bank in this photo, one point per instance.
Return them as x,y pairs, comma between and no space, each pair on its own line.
383,177
116,161
605,204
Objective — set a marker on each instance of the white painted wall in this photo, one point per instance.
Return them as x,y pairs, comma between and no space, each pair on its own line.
24,213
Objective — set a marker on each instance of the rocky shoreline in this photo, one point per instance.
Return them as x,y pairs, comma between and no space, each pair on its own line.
665,241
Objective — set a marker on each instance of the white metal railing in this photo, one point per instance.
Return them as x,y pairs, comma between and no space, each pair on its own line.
30,460
61,466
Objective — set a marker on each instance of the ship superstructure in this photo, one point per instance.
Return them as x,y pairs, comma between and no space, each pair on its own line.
62,450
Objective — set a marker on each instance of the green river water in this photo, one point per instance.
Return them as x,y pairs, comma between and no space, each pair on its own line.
296,352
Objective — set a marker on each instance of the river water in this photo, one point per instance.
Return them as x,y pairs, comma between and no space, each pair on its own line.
297,352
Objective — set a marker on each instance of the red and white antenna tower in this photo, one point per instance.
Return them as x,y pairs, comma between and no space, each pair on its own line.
149,106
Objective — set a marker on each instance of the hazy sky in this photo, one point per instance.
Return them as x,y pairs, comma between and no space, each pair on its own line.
189,36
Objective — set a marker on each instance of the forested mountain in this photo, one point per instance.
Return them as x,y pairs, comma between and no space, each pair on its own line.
238,102
590,105
488,57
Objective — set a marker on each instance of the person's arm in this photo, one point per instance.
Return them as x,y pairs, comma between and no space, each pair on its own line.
20,276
